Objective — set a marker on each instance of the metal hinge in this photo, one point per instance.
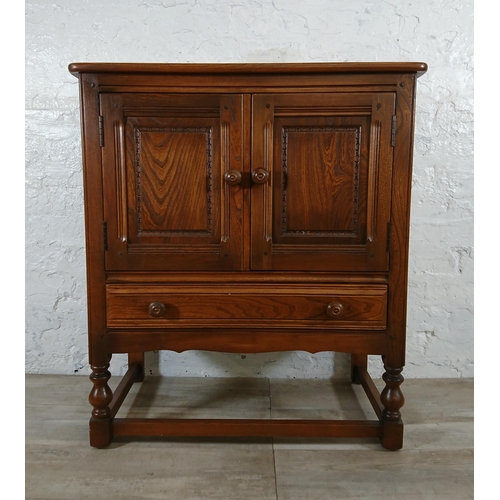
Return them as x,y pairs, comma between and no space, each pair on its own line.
101,132
105,235
388,244
393,131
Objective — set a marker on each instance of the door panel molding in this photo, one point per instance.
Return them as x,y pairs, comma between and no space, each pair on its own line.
331,153
164,159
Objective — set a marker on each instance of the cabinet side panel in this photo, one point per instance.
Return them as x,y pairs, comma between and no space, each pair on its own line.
93,200
400,218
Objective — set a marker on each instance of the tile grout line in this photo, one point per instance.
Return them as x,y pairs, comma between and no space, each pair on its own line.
272,443
275,474
270,399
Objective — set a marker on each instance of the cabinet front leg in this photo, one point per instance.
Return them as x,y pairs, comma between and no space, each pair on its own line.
392,399
100,397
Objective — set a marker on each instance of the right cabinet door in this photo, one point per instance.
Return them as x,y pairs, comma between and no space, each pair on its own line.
321,181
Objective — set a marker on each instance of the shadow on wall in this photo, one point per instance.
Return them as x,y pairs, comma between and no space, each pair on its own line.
296,364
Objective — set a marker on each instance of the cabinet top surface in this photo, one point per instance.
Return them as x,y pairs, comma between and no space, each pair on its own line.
248,68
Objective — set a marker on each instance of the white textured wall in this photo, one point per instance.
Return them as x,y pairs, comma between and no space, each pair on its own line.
439,32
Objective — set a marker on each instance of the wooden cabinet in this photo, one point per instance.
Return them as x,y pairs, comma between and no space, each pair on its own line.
247,208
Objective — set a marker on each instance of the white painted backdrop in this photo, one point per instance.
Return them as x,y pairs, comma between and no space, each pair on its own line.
438,32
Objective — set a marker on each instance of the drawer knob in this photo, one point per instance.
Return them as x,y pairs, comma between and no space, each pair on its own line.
260,176
232,177
335,309
156,309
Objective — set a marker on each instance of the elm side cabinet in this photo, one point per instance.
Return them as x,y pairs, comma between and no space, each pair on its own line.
247,208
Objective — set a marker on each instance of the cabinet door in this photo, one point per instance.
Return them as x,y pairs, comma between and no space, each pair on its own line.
168,204
321,170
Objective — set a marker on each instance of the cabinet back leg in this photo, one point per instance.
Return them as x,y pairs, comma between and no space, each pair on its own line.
357,360
137,357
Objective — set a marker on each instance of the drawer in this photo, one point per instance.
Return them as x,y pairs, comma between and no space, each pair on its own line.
247,306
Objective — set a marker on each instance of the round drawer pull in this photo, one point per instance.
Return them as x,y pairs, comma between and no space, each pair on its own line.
335,309
232,177
260,176
156,309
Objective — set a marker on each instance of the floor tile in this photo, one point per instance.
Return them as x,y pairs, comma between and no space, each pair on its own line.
52,423
146,469
437,400
64,390
436,436
374,475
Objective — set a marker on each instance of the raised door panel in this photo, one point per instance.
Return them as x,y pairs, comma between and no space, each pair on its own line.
167,206
325,200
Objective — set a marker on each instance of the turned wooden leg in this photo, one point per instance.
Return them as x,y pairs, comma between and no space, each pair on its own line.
358,360
100,396
137,357
392,399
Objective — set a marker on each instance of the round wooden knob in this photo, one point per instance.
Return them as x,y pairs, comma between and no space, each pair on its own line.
260,176
232,177
156,309
335,309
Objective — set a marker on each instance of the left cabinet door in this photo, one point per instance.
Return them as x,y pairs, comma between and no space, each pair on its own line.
168,202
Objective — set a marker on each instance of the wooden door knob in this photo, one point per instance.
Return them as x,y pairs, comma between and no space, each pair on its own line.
156,309
232,177
260,176
335,310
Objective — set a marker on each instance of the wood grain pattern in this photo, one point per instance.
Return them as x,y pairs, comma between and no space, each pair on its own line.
330,187
174,180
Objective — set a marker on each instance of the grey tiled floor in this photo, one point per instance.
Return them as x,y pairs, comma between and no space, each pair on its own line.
435,463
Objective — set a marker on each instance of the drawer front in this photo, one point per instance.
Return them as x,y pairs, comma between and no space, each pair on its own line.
247,306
